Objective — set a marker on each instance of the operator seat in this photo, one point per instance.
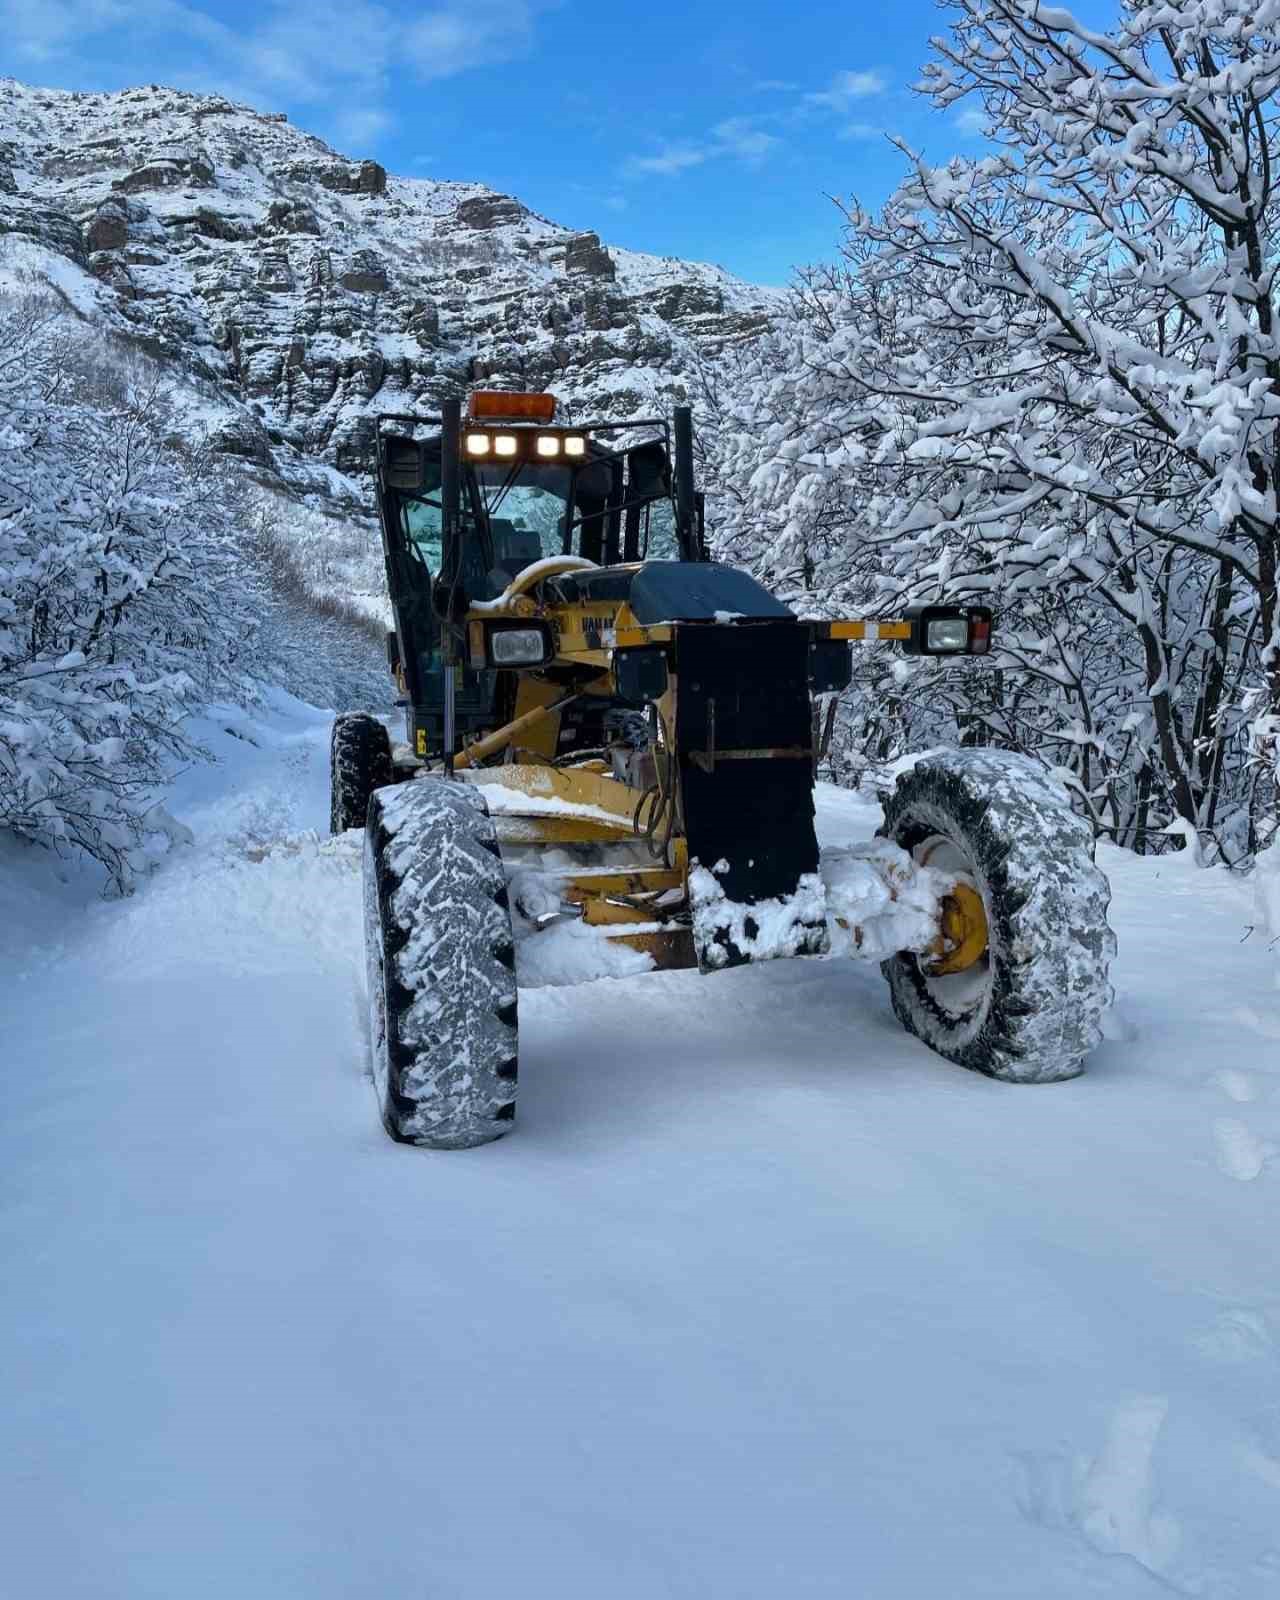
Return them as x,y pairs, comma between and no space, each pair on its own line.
514,548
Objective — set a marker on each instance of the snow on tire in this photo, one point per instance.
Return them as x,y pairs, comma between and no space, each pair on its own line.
441,960
359,763
1031,1010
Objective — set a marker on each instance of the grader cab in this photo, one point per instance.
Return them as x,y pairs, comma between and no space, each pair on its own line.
604,724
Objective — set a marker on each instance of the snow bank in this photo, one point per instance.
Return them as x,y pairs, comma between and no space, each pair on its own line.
1267,888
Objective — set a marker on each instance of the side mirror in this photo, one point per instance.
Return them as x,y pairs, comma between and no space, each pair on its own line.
594,481
648,472
403,462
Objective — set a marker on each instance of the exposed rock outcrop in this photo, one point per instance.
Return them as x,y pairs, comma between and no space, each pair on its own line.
344,177
585,254
366,274
175,167
46,224
109,226
290,216
486,211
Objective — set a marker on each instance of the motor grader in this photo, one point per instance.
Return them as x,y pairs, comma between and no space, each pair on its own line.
603,724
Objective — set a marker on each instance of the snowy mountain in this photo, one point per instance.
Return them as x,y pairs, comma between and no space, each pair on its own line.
306,292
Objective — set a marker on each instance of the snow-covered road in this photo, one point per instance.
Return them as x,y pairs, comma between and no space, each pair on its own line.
761,1300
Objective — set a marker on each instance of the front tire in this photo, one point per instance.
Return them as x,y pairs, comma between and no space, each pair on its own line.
441,961
359,763
1030,1010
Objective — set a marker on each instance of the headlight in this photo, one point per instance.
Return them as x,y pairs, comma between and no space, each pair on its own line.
948,633
517,647
477,444
575,445
505,444
548,444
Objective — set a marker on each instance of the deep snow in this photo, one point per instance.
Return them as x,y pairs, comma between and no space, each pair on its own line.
760,1300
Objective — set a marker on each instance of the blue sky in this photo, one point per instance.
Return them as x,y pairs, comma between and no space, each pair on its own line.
683,127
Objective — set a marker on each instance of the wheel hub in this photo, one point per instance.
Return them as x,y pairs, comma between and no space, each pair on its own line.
962,941
962,935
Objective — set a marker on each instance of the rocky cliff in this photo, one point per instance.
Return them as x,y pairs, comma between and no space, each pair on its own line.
306,292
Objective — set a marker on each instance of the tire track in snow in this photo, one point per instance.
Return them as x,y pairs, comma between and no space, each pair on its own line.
1238,1334
1236,1085
1240,1152
1116,1509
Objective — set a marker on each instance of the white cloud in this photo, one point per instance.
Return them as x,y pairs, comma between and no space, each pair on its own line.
328,50
333,54
748,139
361,127
846,87
670,159
41,30
971,120
452,38
739,136
861,130
736,138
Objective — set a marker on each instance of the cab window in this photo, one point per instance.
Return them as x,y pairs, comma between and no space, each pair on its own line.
659,540
424,528
527,512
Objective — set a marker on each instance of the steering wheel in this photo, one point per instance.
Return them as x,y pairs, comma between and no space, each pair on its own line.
532,575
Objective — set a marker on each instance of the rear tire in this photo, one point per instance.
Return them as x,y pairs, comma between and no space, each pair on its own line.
441,961
1031,1009
359,763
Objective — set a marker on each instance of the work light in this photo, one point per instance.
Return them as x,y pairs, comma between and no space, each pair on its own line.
941,630
477,444
575,445
548,444
948,633
505,444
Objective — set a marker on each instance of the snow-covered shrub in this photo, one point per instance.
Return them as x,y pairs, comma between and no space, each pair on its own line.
328,561
323,610
1050,377
123,598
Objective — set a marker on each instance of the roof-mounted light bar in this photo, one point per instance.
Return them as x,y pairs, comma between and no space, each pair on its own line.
523,444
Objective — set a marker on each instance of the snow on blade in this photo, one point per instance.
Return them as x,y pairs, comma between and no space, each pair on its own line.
879,902
762,930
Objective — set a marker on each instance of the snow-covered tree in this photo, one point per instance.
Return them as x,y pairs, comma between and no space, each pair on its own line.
122,595
1050,376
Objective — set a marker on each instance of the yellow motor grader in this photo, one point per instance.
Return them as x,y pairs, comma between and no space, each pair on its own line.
603,724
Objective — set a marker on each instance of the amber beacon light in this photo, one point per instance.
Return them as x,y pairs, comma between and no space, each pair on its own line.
502,405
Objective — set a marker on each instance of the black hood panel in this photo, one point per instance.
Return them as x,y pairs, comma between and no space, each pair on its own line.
674,591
